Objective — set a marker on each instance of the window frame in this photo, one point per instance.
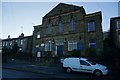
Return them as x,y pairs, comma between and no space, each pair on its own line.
118,24
49,29
72,24
38,35
91,28
60,27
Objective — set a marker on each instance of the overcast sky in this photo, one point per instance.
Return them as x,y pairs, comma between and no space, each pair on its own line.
18,17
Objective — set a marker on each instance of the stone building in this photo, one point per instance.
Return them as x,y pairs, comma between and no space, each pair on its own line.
68,27
115,31
24,43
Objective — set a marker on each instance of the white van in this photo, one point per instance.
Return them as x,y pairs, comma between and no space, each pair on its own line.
83,65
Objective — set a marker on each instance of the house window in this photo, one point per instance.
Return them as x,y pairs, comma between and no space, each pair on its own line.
69,45
20,49
37,48
10,43
72,24
38,34
6,43
118,24
49,28
72,45
60,27
119,37
91,26
3,43
48,47
21,42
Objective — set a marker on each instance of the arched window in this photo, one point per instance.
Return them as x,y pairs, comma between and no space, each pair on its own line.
49,29
60,27
72,24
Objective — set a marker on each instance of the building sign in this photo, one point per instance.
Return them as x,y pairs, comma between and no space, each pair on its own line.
59,43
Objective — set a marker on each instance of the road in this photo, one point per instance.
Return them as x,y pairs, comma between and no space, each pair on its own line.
7,73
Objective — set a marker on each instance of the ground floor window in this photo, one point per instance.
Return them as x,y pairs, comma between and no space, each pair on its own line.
48,47
72,45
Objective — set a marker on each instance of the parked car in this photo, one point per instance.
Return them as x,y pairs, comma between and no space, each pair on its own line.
84,65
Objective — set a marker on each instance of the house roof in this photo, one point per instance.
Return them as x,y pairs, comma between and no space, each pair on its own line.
62,8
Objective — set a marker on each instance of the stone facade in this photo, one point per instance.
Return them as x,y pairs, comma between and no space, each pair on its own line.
67,27
24,43
115,31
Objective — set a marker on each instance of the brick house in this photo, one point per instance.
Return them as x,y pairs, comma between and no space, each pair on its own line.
24,43
68,27
115,31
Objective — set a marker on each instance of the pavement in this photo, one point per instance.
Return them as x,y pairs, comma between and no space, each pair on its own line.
50,70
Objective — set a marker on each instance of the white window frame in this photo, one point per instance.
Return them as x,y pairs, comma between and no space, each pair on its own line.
72,45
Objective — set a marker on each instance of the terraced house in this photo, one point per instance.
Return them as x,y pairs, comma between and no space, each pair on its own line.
68,27
24,43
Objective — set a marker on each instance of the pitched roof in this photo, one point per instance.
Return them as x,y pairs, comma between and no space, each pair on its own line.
62,8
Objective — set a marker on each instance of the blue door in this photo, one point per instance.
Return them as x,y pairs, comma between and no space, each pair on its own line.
93,45
59,50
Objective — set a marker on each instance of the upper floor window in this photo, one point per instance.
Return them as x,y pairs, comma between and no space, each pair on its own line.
38,34
49,28
72,24
21,42
91,26
118,24
60,27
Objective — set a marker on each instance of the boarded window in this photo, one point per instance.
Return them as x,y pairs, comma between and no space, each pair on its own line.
91,26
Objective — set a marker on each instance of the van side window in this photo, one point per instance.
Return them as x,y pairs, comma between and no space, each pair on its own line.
83,63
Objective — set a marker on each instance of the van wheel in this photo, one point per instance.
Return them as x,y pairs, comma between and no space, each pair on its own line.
97,73
68,70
